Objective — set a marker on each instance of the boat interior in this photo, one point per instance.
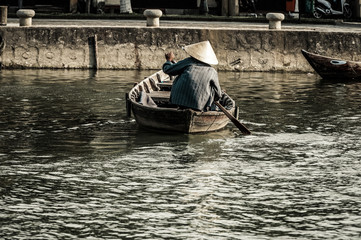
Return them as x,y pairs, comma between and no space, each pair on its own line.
155,90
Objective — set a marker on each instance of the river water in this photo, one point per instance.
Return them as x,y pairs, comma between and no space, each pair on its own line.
74,166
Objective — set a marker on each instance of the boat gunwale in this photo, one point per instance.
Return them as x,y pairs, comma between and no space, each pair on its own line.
179,110
327,57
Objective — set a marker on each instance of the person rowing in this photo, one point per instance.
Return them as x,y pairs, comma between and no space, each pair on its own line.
196,85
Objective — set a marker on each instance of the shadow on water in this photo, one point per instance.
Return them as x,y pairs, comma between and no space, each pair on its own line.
73,165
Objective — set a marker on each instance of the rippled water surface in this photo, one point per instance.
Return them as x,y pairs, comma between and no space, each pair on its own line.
74,166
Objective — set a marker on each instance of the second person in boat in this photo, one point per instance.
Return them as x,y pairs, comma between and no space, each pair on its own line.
196,85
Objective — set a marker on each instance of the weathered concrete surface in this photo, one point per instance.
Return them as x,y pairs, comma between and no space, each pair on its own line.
137,47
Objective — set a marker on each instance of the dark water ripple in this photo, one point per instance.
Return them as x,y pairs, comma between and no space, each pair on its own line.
73,166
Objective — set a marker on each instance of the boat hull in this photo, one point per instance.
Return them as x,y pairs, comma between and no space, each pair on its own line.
179,120
333,69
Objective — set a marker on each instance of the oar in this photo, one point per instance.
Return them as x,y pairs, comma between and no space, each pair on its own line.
239,125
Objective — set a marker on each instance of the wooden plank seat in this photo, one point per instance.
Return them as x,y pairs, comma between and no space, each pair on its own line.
165,86
160,96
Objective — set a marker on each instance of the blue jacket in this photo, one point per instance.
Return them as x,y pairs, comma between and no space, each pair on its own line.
196,86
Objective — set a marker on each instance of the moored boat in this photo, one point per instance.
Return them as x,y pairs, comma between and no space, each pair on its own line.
333,68
149,102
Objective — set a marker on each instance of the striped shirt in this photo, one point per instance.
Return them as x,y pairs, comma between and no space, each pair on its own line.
196,86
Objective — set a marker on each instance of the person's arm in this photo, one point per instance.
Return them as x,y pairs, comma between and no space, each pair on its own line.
172,68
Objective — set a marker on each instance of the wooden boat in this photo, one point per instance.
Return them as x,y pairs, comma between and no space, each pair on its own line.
149,103
332,68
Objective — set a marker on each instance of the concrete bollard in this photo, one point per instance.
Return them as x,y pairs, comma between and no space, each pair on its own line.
275,20
3,15
25,16
152,16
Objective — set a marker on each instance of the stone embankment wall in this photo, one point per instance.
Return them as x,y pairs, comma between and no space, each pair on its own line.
144,48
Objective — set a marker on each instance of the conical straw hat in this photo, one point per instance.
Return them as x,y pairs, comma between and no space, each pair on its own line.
203,52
